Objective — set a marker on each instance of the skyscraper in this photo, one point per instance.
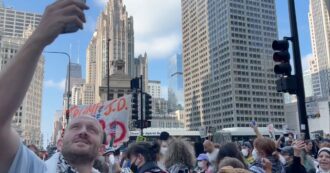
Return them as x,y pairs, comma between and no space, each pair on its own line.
154,88
228,66
319,23
14,23
112,42
314,70
175,86
27,118
15,28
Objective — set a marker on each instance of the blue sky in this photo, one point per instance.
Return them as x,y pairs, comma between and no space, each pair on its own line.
157,26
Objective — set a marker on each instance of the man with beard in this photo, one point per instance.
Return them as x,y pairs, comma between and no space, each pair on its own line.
83,135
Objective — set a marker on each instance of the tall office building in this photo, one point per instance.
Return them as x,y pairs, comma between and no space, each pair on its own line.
308,85
14,23
175,86
15,28
228,66
154,88
27,119
76,79
319,23
314,70
112,42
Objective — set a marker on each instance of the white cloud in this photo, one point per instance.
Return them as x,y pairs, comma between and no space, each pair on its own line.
164,92
157,26
158,47
304,62
60,85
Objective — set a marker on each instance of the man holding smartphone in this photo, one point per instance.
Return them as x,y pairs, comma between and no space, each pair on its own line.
83,136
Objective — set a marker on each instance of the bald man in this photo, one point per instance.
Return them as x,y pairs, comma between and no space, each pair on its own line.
83,136
212,154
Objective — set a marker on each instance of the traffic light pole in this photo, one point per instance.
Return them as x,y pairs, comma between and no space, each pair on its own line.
298,71
141,106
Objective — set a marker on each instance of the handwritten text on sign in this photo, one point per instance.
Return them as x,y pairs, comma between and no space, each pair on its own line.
113,116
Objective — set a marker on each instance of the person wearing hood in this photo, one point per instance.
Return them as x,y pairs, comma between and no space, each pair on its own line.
265,149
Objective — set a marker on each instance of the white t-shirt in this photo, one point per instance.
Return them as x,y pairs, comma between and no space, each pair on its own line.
26,161
213,159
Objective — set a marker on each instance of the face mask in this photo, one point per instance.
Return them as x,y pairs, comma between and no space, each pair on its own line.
282,159
255,154
112,159
163,150
245,152
201,164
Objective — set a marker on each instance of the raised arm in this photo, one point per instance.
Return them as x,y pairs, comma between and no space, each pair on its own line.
17,75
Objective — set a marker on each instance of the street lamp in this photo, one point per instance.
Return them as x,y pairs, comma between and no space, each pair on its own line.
68,94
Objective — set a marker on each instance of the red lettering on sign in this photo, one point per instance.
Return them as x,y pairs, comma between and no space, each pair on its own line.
120,125
121,104
109,107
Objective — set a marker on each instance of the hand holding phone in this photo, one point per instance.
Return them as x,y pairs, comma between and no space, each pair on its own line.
72,27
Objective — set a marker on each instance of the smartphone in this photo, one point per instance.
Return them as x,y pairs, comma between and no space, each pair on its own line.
71,27
300,136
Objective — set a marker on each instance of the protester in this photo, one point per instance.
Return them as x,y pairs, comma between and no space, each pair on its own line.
311,148
323,159
292,156
264,150
247,152
212,154
203,164
143,157
287,153
180,157
231,161
230,150
82,138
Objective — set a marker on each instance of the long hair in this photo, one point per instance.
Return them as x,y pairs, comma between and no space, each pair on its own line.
180,152
230,150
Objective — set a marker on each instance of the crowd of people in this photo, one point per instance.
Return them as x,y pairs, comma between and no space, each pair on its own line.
178,155
80,149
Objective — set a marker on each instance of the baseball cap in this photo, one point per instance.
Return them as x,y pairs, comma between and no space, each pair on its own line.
287,150
202,157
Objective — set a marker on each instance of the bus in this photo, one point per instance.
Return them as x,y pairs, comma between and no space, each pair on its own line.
153,133
243,133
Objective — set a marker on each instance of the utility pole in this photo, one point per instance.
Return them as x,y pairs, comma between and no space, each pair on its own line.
141,106
298,71
108,68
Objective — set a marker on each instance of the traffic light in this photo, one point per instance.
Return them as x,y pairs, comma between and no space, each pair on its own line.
146,124
137,124
135,83
282,56
286,82
148,106
135,111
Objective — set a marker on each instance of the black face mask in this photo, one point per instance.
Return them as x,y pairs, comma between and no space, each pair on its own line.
134,168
